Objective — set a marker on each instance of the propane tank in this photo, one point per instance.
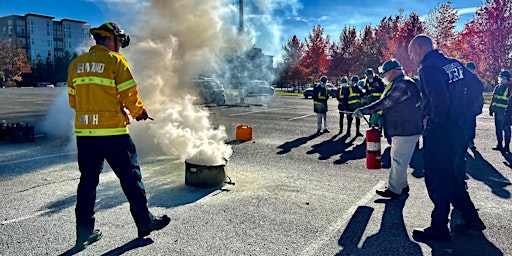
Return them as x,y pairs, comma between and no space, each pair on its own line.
373,156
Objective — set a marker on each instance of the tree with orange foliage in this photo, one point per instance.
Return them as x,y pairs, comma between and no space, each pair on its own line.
440,26
315,61
491,31
343,53
13,61
292,55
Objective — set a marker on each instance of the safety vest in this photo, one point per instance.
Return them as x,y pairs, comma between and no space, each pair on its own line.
375,90
354,99
500,100
100,87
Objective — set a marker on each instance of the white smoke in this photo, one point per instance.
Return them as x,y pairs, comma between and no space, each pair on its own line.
177,40
173,41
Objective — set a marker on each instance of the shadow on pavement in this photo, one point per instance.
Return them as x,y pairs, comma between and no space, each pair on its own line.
480,169
288,146
134,244
470,243
392,238
333,146
357,152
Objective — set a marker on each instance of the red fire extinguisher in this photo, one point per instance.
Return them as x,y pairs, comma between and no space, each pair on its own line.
373,156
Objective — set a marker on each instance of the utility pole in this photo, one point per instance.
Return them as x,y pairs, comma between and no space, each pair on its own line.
241,62
241,16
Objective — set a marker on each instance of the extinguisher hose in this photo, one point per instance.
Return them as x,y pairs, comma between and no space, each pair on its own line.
350,113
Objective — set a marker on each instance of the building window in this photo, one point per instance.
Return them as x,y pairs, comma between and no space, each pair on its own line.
9,22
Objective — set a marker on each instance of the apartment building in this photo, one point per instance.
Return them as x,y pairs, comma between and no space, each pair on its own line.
44,38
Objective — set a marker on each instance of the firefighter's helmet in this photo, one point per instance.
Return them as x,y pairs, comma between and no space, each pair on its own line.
323,79
355,79
111,29
344,80
369,72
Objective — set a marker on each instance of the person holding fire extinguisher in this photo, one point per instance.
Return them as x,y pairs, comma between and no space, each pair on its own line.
401,120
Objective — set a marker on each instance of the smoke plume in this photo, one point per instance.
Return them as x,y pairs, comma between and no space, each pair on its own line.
172,42
175,41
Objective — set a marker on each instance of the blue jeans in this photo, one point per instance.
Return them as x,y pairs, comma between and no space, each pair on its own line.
121,155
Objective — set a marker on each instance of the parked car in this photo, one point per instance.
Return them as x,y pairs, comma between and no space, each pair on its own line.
45,84
258,87
308,92
210,91
61,84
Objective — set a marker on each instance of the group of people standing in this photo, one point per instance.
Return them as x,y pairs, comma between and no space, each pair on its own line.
443,101
351,96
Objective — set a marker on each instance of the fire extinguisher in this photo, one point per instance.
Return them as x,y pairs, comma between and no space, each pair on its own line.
373,156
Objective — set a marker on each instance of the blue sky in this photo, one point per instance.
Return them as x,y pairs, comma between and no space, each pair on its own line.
272,21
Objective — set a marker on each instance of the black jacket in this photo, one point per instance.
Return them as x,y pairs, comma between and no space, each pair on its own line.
446,82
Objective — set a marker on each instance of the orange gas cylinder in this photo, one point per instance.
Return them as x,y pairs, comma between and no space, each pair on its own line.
244,132
373,156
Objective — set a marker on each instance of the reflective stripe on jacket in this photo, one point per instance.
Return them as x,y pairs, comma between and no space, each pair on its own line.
354,99
100,87
500,100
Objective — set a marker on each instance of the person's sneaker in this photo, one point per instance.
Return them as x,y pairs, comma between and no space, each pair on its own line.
405,189
85,240
506,149
318,132
326,131
474,225
387,193
472,145
430,233
157,223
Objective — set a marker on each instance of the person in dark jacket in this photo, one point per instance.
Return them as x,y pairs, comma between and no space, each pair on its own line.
499,101
342,101
445,81
373,86
472,114
402,122
320,97
354,96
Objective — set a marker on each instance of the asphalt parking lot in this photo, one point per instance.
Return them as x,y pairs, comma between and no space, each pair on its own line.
294,193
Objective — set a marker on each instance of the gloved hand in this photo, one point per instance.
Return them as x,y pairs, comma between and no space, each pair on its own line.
358,113
375,119
143,115
491,113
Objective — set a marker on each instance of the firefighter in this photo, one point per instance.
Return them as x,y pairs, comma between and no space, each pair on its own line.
320,97
354,95
100,88
342,100
448,86
373,86
499,102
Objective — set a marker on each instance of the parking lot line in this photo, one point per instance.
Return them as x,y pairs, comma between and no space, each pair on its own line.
252,112
300,117
334,228
36,158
